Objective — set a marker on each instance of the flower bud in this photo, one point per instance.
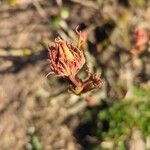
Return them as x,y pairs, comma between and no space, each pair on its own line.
65,59
140,39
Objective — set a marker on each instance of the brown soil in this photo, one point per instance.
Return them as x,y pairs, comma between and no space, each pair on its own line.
29,105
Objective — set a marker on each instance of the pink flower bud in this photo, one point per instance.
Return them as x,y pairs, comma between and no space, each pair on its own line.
65,59
140,37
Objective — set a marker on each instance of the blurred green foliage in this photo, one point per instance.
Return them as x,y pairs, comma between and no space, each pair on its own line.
115,120
36,145
56,20
34,139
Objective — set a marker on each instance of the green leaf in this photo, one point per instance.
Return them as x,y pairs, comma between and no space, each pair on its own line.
35,143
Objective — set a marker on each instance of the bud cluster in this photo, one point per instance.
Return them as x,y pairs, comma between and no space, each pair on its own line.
66,60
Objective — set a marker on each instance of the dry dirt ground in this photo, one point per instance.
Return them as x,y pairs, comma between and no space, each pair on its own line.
24,102
21,108
29,105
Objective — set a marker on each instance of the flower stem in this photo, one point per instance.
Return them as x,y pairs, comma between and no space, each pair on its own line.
75,81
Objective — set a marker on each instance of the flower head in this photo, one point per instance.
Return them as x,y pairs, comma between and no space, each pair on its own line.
65,59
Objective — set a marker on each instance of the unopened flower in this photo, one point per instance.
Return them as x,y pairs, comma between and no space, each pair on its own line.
140,39
66,60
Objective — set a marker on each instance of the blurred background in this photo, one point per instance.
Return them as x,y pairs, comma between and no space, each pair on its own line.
37,113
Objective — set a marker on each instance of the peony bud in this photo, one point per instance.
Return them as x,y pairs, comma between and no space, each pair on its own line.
65,59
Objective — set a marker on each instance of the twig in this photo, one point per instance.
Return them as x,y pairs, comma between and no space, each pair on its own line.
39,9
